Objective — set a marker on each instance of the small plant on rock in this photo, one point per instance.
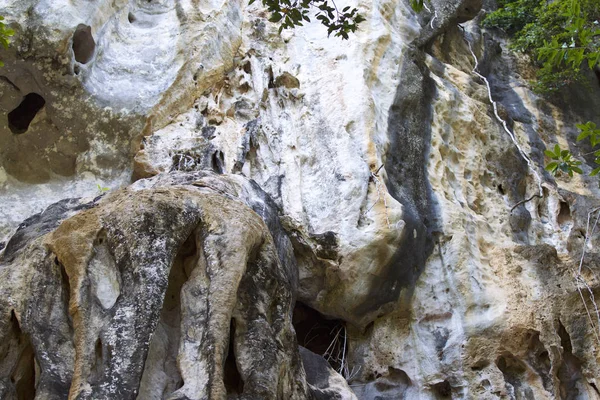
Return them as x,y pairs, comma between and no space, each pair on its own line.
563,162
5,34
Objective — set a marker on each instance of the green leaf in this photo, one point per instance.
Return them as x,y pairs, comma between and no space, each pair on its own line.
583,135
275,17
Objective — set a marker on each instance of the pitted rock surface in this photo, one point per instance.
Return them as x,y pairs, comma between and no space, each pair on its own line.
368,181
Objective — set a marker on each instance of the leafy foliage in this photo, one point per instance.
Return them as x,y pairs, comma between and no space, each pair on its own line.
591,132
513,16
417,5
562,35
292,13
563,162
5,34
563,159
102,189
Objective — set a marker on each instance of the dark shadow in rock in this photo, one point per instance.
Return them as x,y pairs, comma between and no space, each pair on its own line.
20,118
569,372
515,376
442,390
539,359
84,45
23,373
234,384
409,130
564,215
319,335
394,385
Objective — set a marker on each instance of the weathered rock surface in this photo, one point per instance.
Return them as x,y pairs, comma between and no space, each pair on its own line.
369,179
173,292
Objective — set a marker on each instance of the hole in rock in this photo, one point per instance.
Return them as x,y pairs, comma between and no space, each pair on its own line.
234,383
515,374
83,44
271,83
501,189
14,321
131,18
97,366
510,365
569,371
564,215
443,390
247,67
395,381
76,69
486,384
539,359
20,118
23,376
544,358
218,162
320,335
65,286
592,384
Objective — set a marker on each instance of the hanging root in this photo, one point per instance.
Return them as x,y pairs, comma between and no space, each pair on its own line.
582,283
525,201
336,353
435,14
588,235
580,280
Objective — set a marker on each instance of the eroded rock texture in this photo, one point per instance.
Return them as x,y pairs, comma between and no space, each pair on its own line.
173,292
360,199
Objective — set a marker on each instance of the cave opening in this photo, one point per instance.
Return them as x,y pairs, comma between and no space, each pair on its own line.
564,215
443,389
20,118
234,384
84,45
322,336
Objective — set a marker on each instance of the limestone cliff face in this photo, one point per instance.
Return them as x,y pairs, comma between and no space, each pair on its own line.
278,198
